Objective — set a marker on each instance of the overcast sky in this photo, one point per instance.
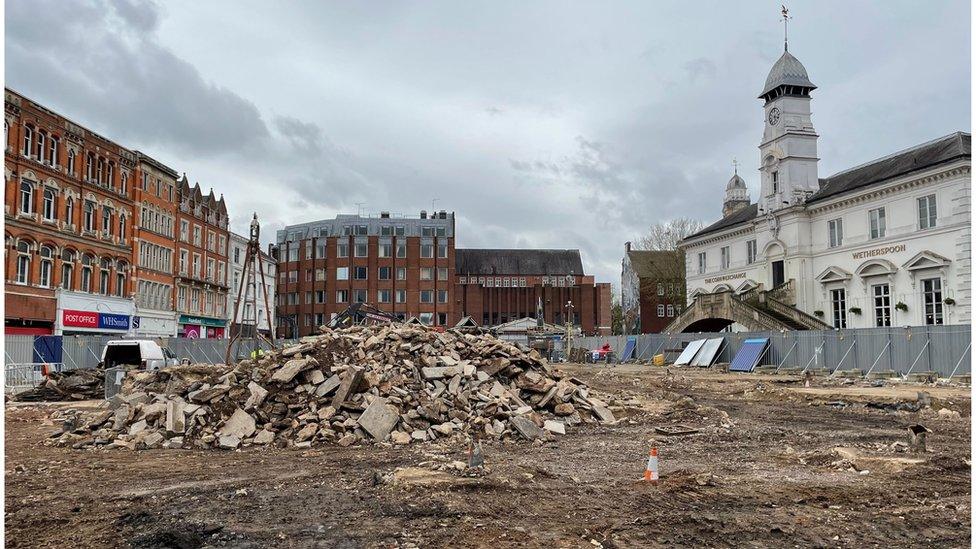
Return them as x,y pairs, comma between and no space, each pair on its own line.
541,124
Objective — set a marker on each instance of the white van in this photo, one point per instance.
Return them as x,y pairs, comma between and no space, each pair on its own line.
147,355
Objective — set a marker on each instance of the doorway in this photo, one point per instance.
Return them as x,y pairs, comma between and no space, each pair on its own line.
779,274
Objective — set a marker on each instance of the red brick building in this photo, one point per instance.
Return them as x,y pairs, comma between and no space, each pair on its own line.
154,247
497,286
410,268
401,265
201,274
652,289
68,212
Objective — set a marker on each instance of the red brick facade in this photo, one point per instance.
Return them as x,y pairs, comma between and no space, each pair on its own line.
68,211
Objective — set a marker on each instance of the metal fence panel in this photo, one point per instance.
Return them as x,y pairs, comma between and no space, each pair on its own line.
18,348
946,350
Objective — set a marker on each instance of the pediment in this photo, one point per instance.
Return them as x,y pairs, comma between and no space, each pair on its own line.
926,260
876,267
833,274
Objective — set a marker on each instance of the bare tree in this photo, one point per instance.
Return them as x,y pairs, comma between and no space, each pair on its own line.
666,235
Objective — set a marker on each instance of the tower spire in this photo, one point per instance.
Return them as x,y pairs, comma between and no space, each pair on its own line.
786,18
735,166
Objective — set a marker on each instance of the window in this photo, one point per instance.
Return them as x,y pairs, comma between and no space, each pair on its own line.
49,204
89,216
47,266
89,167
71,161
319,275
106,220
401,250
40,146
385,250
426,250
361,230
292,252
838,301
103,279
670,310
442,273
660,311
196,235
342,249
183,258
726,260
442,250
360,273
401,273
399,231
442,296
882,305
877,223
67,269
660,288
222,244
426,273
308,298
775,182
184,230
26,197
401,296
87,264
28,139
120,280
750,252
342,273
383,296
320,296
196,265
835,233
383,273
359,296
386,230
237,254
124,186
426,318
320,249
427,296
52,151
210,240
701,263
426,231
361,249
932,298
23,262
926,213
122,226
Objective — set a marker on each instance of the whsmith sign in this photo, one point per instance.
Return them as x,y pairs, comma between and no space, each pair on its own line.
86,319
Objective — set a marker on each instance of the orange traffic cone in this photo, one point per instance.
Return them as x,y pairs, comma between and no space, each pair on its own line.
650,472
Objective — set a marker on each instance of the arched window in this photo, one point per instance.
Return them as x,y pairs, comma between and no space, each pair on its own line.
109,179
6,134
28,139
121,226
71,161
26,197
106,220
69,210
49,204
87,264
124,186
100,172
41,141
90,167
67,269
103,279
120,279
52,157
23,262
47,266
89,215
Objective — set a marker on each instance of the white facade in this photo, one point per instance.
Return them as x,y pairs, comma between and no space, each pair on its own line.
237,248
885,238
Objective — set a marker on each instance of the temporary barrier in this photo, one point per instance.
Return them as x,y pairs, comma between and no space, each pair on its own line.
689,353
749,355
706,356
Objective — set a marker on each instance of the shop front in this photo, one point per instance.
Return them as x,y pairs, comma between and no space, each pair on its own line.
152,323
201,327
87,314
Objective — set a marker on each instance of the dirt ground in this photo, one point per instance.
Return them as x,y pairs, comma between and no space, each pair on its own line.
773,464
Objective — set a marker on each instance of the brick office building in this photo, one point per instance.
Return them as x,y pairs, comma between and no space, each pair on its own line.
497,286
154,191
201,276
401,265
652,289
410,268
68,213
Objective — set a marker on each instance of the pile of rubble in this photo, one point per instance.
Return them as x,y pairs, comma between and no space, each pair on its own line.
81,384
392,383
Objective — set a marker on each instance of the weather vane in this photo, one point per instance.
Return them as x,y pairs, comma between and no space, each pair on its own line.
786,19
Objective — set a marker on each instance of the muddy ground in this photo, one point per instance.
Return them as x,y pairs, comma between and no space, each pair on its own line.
773,464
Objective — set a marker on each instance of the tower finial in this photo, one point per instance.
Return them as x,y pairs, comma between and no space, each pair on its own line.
786,18
735,166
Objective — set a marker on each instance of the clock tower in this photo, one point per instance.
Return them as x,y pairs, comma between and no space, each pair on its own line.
788,152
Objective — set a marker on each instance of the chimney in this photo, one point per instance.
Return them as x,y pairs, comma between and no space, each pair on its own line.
423,214
627,246
384,215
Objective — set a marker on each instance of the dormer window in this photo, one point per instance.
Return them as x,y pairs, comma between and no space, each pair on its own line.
775,182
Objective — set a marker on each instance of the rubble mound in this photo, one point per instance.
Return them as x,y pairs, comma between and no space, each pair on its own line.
386,383
81,384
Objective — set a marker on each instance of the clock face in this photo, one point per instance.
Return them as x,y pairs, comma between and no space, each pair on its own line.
773,116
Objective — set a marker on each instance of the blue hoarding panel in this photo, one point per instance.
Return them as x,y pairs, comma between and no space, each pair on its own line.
629,348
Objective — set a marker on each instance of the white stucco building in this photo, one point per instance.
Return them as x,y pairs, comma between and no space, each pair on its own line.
886,243
246,314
